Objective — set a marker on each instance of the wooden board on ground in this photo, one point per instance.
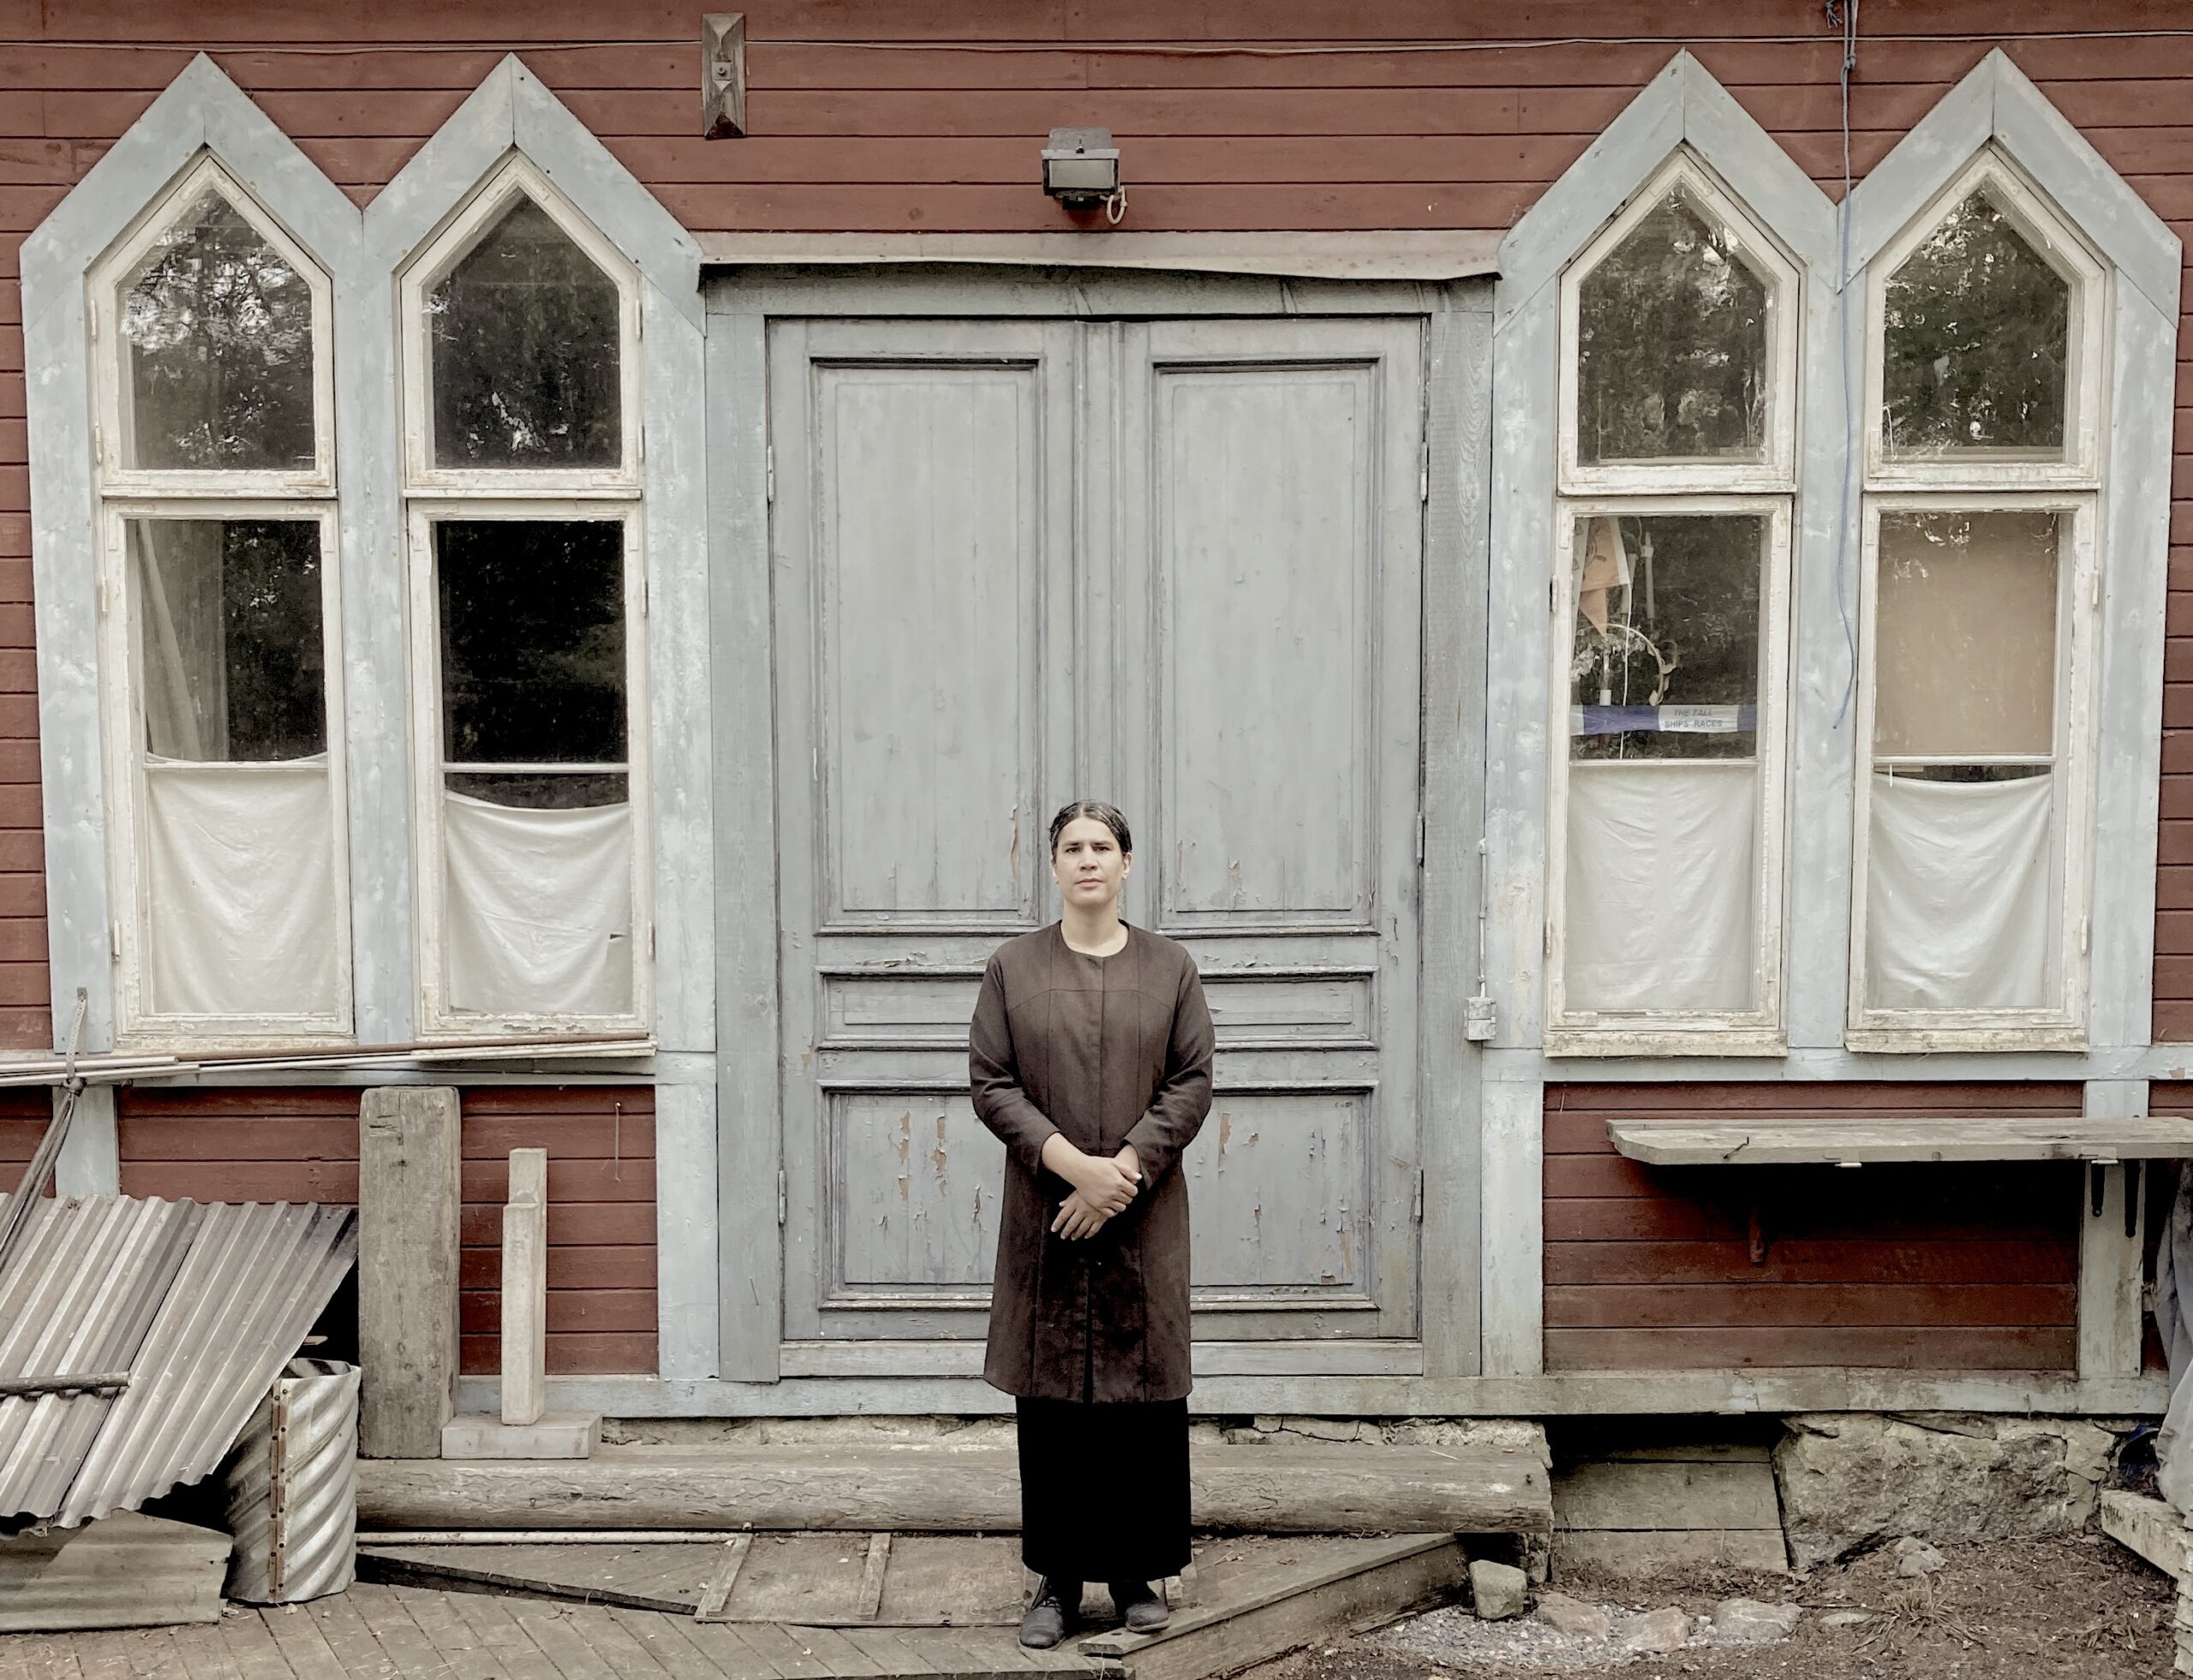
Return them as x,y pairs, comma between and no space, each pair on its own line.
2149,1527
1259,1602
643,1577
1834,1140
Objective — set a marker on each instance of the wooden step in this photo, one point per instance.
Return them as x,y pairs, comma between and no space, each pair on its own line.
923,1487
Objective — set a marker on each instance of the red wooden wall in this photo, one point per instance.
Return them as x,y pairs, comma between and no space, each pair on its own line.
1941,1268
1232,114
302,1146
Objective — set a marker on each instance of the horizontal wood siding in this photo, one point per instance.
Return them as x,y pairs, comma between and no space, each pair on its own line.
887,115
302,1146
1947,1268
25,1112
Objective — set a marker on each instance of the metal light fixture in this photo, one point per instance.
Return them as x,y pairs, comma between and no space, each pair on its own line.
1081,169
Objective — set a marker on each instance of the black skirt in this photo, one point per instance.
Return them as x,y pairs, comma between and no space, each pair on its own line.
1104,1489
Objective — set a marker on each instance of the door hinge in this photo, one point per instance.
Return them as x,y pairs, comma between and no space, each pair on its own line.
782,1196
1424,473
1420,839
770,474
1419,1195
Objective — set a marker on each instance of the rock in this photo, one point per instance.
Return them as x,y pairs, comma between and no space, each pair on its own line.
1748,1622
1657,1632
1851,1480
1846,1619
1573,1617
1497,1590
1914,1557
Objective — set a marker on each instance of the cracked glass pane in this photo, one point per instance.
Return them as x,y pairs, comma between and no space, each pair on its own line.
1671,345
1977,334
229,636
217,351
523,335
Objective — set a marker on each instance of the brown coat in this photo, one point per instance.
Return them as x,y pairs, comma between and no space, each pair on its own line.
1109,1050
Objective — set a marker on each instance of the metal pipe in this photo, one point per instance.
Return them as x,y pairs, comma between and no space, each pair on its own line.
103,1382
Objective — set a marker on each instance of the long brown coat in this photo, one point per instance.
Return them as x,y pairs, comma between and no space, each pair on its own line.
1109,1050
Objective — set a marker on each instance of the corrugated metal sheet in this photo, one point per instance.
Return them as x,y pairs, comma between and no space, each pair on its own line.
130,1571
201,1303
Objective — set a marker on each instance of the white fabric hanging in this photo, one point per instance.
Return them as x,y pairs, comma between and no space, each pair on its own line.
1958,901
1663,875
240,888
539,909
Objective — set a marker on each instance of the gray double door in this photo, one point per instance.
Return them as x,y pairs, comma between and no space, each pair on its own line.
1174,565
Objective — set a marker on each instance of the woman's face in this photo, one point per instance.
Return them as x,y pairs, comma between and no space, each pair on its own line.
1089,864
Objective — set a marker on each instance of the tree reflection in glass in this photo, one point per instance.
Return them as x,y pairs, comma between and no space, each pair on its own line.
1672,356
523,335
1976,329
216,331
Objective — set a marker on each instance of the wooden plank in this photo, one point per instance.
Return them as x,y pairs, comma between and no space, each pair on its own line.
252,1649
1264,1489
830,1646
300,1643
1811,1262
1741,1301
409,1173
549,1627
451,1636
499,1634
624,1656
2148,1527
1789,1141
872,1577
727,1644
1664,1495
786,1649
717,1593
1618,1552
381,1609
888,1651
346,1635
663,1638
1416,1570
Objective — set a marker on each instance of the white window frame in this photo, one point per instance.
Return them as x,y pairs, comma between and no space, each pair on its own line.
123,703
2087,358
1775,471
1767,487
205,173
430,771
1735,1032
2078,590
516,178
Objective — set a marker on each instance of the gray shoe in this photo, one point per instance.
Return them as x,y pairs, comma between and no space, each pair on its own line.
1141,1611
1055,1607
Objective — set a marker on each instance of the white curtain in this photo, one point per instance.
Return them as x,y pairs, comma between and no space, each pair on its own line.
1662,881
240,880
538,914
1958,900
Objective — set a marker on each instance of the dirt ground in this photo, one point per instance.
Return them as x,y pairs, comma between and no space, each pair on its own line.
2080,1608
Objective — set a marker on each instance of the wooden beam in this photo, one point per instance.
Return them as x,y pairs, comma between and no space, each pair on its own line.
1825,1140
1339,1490
408,1199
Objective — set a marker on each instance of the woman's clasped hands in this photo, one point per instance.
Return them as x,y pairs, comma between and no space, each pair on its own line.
1103,1185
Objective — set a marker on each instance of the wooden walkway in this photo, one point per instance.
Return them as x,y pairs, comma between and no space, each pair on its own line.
410,1633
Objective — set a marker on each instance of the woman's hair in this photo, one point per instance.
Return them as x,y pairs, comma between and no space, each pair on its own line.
1107,815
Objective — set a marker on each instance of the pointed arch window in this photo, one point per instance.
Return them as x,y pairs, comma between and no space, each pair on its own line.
219,614
523,473
1978,626
1671,583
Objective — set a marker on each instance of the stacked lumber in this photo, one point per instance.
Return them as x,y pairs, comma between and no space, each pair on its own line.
2158,1533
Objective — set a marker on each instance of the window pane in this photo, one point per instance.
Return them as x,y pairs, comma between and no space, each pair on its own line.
570,792
523,333
1964,634
216,349
532,640
1976,335
1671,352
229,639
1666,645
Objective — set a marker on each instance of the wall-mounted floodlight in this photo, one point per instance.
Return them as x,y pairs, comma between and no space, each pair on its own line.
1081,168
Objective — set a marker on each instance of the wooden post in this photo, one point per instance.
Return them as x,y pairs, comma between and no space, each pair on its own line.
525,1287
408,1207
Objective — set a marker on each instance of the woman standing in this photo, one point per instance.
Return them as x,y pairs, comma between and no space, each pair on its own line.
1089,1057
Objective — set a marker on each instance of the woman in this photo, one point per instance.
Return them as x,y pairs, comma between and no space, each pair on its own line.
1089,1057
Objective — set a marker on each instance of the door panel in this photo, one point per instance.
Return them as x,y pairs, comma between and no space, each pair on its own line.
1174,564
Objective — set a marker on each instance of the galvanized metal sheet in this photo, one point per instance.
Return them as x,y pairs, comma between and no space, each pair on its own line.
201,1303
292,1487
